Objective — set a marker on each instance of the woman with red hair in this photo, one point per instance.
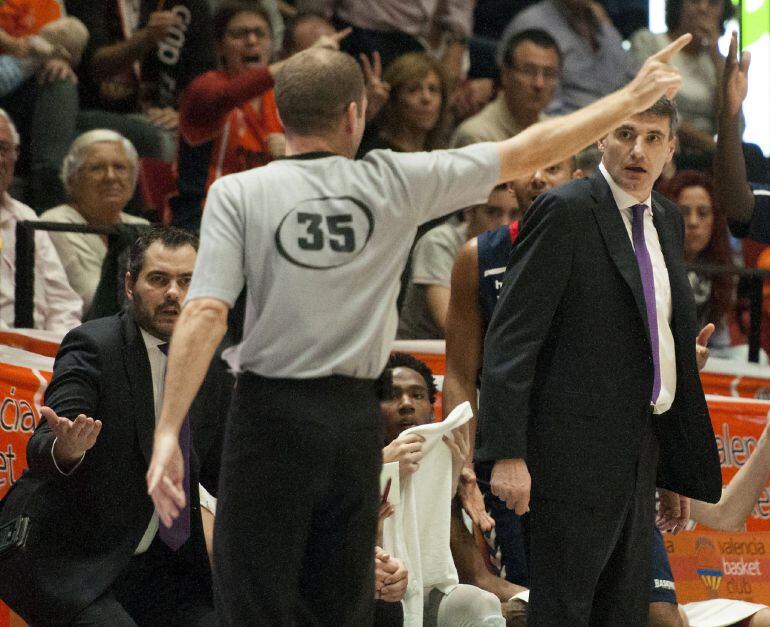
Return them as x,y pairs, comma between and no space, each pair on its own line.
706,241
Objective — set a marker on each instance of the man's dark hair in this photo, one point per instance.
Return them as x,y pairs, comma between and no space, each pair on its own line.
169,236
674,14
405,360
536,36
229,9
665,108
314,88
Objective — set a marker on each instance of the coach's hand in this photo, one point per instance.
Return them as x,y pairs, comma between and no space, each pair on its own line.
511,483
165,476
73,437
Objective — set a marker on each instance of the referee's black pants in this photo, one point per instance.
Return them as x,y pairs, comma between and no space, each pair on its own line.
298,500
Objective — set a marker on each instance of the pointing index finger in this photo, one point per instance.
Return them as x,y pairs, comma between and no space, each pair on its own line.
672,48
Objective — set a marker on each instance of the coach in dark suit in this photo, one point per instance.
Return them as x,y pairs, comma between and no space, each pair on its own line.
95,554
590,377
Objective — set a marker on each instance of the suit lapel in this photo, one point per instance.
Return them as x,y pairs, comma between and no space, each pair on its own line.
617,241
139,376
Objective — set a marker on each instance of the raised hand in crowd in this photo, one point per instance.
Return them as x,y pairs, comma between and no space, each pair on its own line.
390,577
673,511
377,90
73,437
407,451
701,345
735,79
730,182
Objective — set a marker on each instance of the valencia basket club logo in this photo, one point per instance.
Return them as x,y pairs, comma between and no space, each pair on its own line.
709,566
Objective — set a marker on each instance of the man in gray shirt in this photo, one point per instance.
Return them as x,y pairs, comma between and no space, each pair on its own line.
319,241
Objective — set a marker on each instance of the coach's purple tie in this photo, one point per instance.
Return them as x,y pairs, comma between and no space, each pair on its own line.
648,285
176,535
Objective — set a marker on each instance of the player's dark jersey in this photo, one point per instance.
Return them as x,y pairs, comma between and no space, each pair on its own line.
494,249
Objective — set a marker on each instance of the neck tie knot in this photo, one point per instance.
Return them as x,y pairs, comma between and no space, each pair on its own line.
638,210
163,348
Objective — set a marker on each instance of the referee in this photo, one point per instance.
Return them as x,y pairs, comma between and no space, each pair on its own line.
320,241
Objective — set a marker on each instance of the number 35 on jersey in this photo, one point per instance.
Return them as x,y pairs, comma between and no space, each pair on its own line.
323,233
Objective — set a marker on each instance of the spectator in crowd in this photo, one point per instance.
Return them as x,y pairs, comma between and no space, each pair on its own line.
99,174
700,64
87,463
412,393
415,116
706,241
56,306
64,38
397,27
593,61
39,38
529,75
423,315
140,57
229,121
746,204
302,31
326,571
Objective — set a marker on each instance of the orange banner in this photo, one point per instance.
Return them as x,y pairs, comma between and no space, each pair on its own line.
23,379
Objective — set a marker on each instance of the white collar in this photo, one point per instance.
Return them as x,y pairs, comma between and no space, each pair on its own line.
622,198
150,340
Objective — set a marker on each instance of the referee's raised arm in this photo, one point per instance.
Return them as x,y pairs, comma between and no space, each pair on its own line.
554,140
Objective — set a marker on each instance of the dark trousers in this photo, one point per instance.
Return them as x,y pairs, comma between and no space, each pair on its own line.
158,588
298,500
591,565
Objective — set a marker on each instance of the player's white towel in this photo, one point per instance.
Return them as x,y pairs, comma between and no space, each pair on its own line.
719,612
418,531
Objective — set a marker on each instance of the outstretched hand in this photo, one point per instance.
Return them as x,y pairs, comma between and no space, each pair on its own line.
332,42
165,477
73,437
657,77
735,78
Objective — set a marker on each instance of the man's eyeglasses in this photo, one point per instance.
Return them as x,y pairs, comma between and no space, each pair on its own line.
533,71
9,150
243,33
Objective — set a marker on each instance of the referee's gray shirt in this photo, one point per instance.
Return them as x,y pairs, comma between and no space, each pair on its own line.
321,244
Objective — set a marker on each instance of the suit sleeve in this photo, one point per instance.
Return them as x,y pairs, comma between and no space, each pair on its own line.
74,389
534,282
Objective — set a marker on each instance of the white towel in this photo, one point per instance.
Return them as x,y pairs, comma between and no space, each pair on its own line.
418,530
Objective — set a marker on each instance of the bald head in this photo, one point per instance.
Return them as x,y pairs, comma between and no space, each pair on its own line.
314,88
